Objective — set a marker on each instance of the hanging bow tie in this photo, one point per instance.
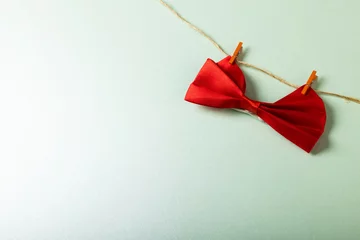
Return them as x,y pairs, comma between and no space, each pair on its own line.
298,117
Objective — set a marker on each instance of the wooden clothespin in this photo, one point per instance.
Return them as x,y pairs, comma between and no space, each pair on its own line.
236,53
309,82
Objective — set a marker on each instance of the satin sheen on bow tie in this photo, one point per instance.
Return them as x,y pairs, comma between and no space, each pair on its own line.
299,118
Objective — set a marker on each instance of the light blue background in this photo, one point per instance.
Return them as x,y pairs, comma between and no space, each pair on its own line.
96,141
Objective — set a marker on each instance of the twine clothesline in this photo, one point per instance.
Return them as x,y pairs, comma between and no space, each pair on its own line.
280,79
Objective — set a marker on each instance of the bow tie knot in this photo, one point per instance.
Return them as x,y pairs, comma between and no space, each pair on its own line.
248,104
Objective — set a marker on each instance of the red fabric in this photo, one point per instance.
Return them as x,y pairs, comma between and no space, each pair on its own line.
299,118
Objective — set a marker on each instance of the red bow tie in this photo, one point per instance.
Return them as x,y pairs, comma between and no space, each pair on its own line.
299,118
